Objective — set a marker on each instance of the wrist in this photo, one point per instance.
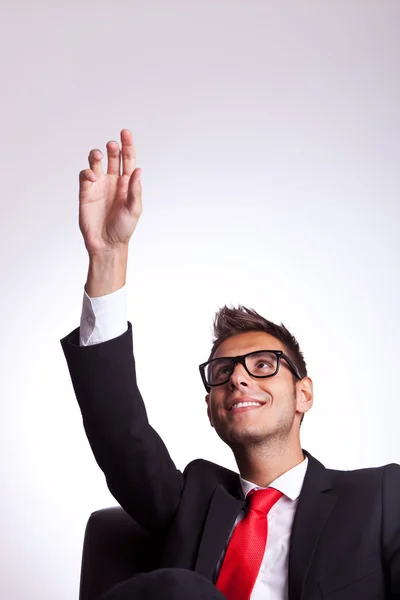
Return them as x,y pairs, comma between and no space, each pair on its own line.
107,272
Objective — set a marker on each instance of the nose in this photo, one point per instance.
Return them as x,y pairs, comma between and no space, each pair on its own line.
239,377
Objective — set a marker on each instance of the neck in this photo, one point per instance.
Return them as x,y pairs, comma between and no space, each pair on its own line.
262,464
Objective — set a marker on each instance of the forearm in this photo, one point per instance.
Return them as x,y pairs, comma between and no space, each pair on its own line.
107,272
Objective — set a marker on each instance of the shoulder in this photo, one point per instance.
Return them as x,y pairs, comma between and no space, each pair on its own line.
208,468
392,469
367,479
204,471
391,482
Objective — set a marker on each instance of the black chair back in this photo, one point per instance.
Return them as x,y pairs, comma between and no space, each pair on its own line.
115,548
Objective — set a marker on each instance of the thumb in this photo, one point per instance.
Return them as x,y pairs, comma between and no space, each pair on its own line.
134,200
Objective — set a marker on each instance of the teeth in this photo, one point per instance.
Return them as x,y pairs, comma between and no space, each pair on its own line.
243,404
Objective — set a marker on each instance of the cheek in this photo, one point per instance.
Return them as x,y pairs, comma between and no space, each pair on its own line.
279,392
216,401
211,405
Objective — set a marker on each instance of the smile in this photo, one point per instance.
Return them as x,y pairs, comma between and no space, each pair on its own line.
244,405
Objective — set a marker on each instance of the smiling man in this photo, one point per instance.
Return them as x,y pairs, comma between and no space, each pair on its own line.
284,527
257,399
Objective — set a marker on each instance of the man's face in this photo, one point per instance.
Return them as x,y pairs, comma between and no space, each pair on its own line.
281,402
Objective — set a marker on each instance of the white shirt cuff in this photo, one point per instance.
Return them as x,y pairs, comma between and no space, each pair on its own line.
103,318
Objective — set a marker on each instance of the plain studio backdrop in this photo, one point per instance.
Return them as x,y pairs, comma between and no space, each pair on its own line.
268,134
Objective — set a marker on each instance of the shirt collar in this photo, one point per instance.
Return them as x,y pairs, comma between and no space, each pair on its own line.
290,483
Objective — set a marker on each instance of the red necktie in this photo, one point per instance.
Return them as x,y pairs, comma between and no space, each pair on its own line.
246,548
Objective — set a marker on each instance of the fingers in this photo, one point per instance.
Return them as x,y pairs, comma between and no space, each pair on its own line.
114,158
95,158
134,201
86,179
114,154
128,153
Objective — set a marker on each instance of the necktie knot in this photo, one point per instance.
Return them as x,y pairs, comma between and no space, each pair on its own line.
263,500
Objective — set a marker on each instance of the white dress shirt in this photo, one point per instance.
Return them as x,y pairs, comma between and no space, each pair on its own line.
272,580
105,318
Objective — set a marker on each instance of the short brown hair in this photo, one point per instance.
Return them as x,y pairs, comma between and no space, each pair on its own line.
233,321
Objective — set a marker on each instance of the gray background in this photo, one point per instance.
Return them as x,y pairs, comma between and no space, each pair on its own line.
268,134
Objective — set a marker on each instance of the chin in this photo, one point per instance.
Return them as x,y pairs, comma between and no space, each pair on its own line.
244,437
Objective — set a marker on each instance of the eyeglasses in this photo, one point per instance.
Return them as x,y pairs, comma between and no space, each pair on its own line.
260,364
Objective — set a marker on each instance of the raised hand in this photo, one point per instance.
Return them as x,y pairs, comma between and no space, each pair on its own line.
110,203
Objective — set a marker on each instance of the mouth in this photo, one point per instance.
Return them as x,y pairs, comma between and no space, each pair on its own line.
245,405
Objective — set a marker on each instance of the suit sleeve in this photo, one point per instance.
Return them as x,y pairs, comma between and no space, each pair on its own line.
138,468
391,528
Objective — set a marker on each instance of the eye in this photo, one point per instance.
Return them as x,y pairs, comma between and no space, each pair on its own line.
264,364
223,371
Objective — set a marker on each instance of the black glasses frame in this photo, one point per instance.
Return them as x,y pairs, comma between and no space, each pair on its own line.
241,359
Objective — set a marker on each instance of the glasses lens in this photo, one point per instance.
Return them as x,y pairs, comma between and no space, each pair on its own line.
218,371
261,364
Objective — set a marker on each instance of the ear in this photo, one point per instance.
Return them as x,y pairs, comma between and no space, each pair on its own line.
208,410
304,395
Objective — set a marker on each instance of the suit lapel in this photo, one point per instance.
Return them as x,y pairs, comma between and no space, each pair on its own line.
316,502
221,517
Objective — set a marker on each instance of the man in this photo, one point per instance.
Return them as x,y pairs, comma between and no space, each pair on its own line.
286,528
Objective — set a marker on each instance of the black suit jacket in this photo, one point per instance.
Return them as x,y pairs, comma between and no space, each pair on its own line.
345,542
